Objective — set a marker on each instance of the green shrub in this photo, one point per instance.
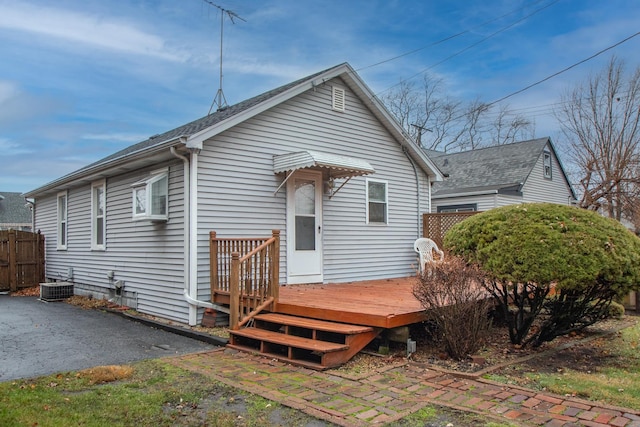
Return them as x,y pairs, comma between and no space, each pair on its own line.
615,311
566,263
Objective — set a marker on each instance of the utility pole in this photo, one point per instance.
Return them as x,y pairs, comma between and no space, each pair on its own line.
420,130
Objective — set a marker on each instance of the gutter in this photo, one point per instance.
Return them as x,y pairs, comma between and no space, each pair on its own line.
190,291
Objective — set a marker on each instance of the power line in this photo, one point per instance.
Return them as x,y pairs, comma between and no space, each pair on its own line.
565,69
453,36
501,30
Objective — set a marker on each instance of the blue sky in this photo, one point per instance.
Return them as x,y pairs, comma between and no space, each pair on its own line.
80,79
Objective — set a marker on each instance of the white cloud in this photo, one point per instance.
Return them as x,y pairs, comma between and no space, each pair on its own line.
8,91
87,29
10,148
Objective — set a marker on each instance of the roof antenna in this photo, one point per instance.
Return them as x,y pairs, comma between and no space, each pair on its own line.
219,100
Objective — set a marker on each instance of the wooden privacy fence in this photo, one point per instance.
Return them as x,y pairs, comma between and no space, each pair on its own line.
21,259
435,225
246,270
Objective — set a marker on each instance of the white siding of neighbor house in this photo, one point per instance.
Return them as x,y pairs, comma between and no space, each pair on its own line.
236,187
147,256
537,188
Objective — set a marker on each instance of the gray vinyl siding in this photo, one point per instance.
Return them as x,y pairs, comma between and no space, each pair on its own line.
147,256
236,187
537,188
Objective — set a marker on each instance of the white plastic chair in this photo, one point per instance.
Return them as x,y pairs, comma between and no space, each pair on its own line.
426,248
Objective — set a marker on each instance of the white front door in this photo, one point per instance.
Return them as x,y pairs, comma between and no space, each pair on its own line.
304,228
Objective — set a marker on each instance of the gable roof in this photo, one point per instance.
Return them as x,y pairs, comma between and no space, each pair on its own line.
13,210
193,134
501,168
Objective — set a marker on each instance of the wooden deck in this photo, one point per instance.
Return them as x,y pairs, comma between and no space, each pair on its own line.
385,303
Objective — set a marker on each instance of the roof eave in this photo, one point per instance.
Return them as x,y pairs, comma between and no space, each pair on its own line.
103,170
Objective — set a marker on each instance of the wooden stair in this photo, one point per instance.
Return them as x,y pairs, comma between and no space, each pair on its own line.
316,344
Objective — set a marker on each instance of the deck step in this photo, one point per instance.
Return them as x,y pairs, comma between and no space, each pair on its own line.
290,340
312,324
313,343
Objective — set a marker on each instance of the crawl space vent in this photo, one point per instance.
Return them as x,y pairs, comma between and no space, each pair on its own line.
56,291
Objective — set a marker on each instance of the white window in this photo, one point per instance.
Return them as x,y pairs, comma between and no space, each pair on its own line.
98,215
62,220
547,164
151,197
377,202
338,98
468,207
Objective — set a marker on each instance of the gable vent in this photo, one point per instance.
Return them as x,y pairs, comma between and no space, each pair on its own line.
338,99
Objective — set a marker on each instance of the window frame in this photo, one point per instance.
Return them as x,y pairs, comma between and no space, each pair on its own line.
62,221
148,185
96,217
547,162
462,207
385,202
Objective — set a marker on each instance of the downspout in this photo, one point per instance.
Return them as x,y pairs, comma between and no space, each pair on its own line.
415,171
190,291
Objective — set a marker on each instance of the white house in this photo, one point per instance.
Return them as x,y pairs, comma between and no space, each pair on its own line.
485,178
320,159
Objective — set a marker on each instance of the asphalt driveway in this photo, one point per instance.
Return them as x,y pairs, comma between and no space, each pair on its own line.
39,338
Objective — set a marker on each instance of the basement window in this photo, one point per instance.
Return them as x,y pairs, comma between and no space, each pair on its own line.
151,197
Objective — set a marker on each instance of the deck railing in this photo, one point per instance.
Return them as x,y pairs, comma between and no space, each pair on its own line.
247,270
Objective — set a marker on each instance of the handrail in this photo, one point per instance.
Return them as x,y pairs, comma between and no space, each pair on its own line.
246,271
258,249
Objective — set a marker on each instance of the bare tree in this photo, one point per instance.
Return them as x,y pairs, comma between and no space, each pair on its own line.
600,119
508,127
440,122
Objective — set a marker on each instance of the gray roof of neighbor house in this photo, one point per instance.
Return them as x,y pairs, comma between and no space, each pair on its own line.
501,168
13,210
197,130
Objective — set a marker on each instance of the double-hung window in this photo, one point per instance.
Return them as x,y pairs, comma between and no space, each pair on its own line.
546,160
151,197
98,215
62,220
377,202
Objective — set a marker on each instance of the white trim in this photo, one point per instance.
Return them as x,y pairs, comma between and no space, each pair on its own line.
300,276
193,230
338,99
546,155
95,217
59,221
147,185
386,201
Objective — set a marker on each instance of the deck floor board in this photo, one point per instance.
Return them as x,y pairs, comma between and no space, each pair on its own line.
386,303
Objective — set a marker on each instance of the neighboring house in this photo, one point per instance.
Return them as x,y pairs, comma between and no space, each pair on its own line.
486,178
15,212
320,159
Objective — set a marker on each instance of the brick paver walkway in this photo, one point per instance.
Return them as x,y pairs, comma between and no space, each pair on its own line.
396,392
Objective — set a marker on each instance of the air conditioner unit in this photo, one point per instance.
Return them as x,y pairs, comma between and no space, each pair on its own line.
55,291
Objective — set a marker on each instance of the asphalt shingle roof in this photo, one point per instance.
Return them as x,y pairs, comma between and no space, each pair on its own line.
490,168
13,209
202,123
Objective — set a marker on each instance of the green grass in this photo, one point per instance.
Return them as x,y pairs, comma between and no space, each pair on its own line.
615,380
156,394
433,415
